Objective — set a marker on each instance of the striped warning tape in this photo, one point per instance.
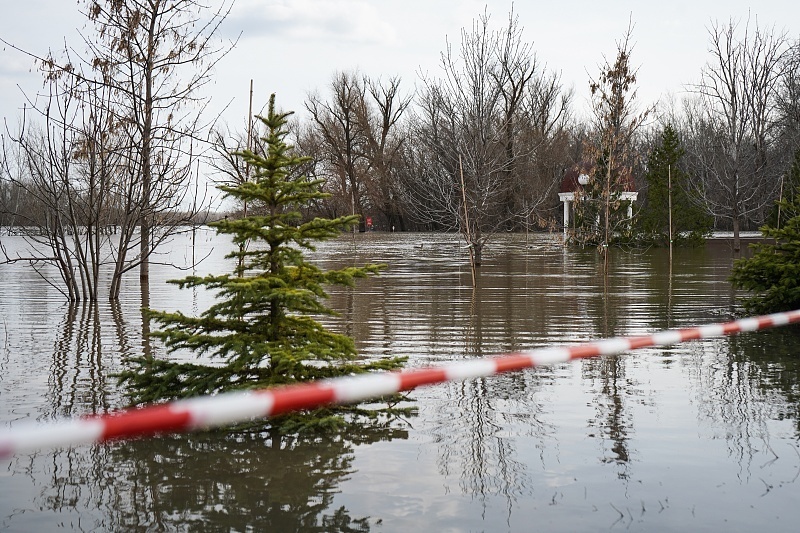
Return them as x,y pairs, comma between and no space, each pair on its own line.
228,408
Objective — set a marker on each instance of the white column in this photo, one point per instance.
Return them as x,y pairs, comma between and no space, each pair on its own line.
566,215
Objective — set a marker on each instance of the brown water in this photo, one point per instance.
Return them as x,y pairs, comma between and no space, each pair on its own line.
701,436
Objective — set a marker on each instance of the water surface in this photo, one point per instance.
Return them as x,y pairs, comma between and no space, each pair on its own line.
702,436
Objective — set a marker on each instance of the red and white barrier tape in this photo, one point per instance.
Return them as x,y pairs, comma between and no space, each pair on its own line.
229,408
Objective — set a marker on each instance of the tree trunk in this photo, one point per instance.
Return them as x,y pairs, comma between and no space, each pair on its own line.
477,253
736,241
147,142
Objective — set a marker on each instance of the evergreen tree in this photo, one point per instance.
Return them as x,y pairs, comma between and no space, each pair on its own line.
262,328
689,222
772,274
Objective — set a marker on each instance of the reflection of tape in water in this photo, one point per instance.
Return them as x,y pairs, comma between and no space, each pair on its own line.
234,407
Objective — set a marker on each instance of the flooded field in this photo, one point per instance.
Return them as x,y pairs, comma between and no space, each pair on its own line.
701,436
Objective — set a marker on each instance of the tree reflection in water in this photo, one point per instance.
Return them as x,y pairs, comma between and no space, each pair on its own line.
613,422
478,430
611,386
78,360
478,427
657,439
746,382
250,478
246,480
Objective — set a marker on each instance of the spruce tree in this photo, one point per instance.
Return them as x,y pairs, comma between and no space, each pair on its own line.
772,274
262,331
689,222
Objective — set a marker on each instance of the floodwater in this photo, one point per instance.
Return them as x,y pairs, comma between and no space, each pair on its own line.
702,436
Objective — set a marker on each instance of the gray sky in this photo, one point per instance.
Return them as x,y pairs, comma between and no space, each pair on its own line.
291,47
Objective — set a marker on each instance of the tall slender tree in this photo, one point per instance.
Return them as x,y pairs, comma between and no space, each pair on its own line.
601,208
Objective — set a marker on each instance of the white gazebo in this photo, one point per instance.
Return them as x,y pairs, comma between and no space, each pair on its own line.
572,184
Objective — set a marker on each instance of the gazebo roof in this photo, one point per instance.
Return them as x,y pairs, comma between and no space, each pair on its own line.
569,183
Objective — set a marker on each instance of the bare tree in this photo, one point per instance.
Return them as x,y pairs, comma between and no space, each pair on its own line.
355,137
515,68
612,155
339,124
788,102
546,138
67,167
732,125
458,123
384,138
128,119
230,169
156,55
476,135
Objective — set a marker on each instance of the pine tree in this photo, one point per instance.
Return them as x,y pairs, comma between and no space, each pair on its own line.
262,328
772,274
689,222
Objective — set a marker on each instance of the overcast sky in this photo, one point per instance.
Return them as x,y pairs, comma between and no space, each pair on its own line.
292,47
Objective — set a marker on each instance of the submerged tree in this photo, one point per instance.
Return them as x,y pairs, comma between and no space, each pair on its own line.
156,56
64,169
733,125
603,207
484,134
117,141
667,185
772,274
262,327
